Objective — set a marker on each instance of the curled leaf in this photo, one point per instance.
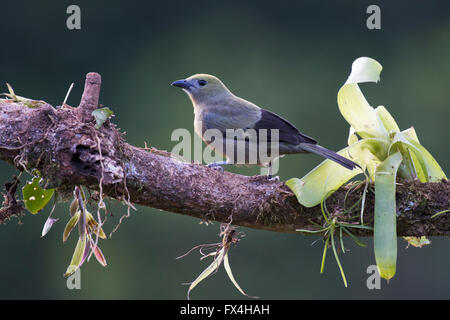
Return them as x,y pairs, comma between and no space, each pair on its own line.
354,106
388,121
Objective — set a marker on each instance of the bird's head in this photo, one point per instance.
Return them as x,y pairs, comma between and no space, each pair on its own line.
202,88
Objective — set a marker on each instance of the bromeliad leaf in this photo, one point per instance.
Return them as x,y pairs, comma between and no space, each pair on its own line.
411,159
384,152
385,231
354,106
329,176
101,115
35,197
388,121
426,166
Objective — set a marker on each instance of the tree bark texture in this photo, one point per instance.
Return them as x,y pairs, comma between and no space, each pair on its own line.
63,144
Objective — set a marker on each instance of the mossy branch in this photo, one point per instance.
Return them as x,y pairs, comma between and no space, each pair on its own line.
64,145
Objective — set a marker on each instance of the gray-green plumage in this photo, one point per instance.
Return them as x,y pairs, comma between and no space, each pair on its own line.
215,107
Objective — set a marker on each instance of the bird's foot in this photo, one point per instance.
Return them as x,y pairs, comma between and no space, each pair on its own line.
217,166
273,179
267,178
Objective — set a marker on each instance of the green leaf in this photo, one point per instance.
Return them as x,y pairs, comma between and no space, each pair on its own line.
35,197
101,115
93,225
324,254
413,160
312,231
356,226
385,231
329,176
411,133
71,224
407,169
342,240
73,206
388,121
355,238
333,246
354,106
439,213
432,172
77,257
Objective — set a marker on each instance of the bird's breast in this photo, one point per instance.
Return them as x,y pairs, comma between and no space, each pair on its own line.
199,127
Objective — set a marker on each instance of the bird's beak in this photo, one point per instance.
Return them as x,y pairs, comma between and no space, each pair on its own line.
182,84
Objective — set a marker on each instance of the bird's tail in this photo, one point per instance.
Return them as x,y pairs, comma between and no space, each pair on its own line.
324,152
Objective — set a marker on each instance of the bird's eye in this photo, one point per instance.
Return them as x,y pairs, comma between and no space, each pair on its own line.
202,83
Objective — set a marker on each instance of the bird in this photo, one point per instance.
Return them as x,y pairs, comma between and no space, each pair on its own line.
218,110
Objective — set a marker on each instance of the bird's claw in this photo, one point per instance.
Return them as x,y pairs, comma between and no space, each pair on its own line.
215,167
267,178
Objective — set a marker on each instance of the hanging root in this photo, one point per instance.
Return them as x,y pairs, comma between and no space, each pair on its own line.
10,206
127,202
100,203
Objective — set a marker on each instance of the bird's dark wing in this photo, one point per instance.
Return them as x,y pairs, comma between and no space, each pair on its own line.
287,132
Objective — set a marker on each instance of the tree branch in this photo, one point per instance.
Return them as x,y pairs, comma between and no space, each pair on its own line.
64,146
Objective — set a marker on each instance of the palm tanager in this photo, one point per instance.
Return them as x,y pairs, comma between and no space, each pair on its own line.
216,108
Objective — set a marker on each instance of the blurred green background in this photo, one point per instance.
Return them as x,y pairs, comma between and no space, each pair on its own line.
290,57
